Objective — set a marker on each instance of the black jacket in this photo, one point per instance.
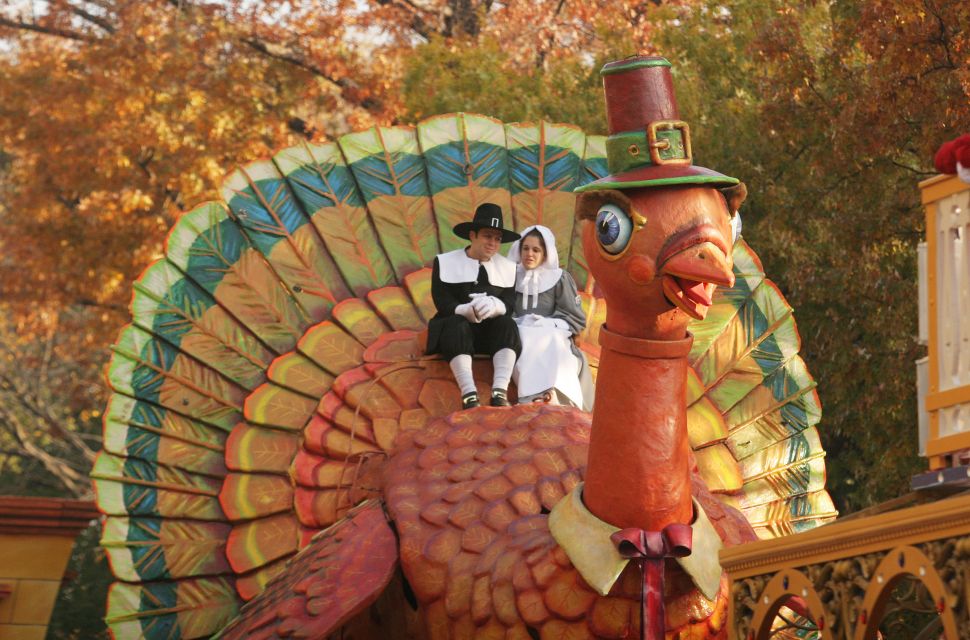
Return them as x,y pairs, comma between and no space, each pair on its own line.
447,296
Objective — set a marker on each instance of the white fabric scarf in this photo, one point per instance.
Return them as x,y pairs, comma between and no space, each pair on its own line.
531,282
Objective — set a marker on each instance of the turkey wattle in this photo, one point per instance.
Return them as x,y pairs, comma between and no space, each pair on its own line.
272,379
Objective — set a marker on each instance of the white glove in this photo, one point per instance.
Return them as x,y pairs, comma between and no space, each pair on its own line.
482,304
487,306
963,172
498,307
468,312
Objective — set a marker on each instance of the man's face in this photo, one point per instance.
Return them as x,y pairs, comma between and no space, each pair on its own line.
485,243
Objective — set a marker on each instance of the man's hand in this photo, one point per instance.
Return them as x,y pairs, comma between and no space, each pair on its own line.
487,306
468,312
481,304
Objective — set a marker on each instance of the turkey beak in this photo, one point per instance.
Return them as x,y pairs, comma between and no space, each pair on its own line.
703,262
692,266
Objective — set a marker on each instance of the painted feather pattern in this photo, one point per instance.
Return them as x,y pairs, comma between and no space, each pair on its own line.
275,360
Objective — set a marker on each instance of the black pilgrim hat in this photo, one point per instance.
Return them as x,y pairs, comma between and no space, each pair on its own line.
487,216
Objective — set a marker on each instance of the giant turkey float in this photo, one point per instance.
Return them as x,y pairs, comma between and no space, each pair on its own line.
281,459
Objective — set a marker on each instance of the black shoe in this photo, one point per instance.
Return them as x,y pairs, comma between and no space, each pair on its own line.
470,401
499,398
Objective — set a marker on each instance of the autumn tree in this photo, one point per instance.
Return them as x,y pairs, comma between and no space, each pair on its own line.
118,115
831,112
111,123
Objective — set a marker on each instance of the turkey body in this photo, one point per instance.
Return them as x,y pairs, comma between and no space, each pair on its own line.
470,495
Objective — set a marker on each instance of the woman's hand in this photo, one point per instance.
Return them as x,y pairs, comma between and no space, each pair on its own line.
552,323
535,320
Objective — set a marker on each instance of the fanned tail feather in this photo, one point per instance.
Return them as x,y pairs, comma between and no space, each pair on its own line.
593,168
130,486
263,205
754,403
212,250
185,315
194,608
545,161
467,164
164,548
390,172
142,430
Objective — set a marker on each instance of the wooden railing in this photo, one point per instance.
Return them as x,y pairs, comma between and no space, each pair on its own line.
36,538
946,201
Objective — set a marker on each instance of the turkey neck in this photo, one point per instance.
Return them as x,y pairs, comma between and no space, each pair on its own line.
638,473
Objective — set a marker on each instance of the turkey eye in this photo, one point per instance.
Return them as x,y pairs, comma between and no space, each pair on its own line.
613,228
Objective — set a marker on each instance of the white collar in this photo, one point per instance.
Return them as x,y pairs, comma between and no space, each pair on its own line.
586,540
456,267
532,282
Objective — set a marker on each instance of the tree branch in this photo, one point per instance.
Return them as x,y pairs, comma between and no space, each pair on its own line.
419,23
104,4
90,17
43,376
912,170
33,404
292,58
73,481
70,436
943,40
345,84
282,54
787,165
50,31
87,302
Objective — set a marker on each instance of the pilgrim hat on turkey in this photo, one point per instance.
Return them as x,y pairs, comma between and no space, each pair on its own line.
487,216
648,143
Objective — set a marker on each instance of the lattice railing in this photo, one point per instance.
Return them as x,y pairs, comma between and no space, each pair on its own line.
902,574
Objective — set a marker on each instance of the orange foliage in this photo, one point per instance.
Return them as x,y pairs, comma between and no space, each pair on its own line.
117,115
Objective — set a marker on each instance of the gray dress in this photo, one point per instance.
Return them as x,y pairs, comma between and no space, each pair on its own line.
562,301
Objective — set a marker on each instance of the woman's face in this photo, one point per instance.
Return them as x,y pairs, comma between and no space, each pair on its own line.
531,252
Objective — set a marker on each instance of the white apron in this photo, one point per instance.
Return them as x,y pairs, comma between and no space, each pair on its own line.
547,361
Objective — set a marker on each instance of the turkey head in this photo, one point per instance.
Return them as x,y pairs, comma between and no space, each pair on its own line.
658,254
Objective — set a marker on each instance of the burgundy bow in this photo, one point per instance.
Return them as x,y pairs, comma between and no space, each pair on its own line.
649,549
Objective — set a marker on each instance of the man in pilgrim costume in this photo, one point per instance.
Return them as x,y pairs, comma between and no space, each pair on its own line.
474,293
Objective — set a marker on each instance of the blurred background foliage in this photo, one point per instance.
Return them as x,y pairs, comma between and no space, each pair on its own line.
116,116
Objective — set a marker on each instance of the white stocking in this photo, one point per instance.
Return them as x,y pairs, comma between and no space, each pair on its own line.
502,362
461,367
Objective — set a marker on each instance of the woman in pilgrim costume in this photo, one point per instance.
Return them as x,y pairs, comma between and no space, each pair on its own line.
474,292
551,367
